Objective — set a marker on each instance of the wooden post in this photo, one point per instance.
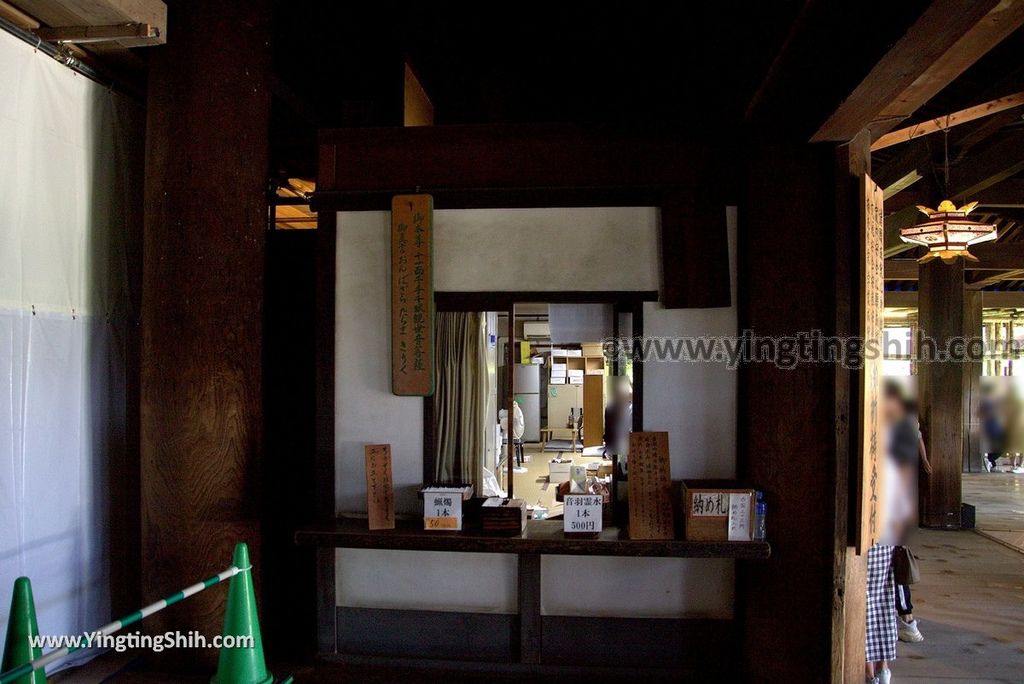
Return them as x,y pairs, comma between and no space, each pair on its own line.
202,314
940,387
793,425
972,458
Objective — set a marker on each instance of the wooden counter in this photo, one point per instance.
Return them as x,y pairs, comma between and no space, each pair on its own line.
541,537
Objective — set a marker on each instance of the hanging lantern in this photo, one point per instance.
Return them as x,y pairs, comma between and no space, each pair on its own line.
947,233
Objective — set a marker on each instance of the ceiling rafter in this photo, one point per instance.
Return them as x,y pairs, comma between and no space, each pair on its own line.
946,39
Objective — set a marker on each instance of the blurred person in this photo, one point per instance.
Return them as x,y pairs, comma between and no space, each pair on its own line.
993,430
902,451
1014,417
618,421
907,451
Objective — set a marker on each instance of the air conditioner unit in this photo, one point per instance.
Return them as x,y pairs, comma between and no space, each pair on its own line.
537,330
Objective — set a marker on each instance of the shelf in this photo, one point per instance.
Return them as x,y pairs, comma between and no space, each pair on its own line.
540,537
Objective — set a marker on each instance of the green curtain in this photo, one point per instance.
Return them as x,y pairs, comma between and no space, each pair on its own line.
460,397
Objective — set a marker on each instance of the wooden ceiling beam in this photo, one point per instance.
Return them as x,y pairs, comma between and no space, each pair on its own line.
96,34
996,164
14,15
980,280
944,123
992,256
1007,194
96,13
989,300
946,39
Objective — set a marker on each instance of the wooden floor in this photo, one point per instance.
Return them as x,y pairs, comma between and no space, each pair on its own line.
999,502
970,607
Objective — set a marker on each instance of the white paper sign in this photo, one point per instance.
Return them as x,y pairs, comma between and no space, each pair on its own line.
739,517
709,505
442,510
582,513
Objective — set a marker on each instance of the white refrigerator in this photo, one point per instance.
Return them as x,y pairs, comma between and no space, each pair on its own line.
526,389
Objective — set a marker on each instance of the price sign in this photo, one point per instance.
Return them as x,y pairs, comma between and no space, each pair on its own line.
442,510
582,513
739,517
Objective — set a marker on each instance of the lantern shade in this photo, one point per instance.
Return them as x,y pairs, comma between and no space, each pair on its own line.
948,233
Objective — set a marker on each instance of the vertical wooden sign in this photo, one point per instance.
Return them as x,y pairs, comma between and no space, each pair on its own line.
412,295
380,494
870,449
650,486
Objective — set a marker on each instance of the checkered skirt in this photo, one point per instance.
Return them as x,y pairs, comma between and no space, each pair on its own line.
881,613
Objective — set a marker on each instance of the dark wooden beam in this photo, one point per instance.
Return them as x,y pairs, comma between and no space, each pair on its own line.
997,163
992,256
979,280
551,166
1006,194
989,300
946,39
944,123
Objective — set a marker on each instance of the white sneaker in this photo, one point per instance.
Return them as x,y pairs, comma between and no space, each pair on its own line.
884,676
1019,470
909,632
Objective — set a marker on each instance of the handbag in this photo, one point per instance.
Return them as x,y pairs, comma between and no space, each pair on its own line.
904,566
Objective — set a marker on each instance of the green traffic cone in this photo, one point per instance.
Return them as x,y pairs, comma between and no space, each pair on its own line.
21,627
242,665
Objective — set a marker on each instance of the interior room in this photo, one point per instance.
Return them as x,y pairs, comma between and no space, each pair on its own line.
527,342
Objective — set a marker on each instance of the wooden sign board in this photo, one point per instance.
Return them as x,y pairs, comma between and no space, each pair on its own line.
717,513
412,295
872,303
380,494
650,486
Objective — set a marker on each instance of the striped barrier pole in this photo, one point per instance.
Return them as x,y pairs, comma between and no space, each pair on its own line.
117,625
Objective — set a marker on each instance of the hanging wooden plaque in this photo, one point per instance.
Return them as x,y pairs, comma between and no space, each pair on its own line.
872,303
380,494
412,295
650,486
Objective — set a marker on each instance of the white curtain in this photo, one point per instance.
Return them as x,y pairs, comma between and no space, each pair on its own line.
70,183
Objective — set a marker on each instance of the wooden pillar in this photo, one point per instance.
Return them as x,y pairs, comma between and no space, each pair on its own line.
972,458
793,425
940,387
849,608
202,317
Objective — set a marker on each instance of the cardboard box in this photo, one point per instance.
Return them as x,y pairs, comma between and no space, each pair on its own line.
559,472
706,508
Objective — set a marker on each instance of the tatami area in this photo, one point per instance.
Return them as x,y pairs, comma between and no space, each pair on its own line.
533,486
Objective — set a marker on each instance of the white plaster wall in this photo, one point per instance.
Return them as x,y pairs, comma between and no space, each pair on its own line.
421,580
604,248
695,403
